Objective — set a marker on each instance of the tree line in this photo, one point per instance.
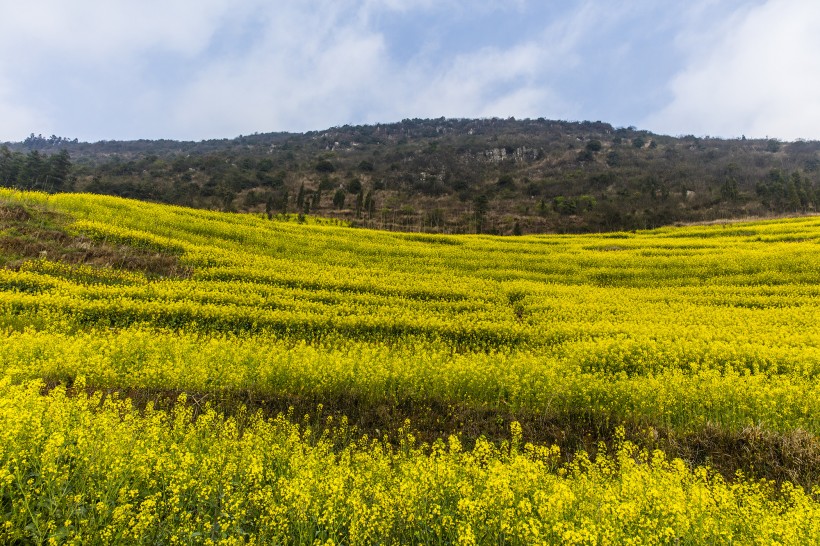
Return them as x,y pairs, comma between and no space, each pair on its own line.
36,171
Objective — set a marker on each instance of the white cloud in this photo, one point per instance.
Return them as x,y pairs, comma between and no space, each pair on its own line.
326,66
79,68
88,69
314,71
310,67
490,82
211,68
756,74
101,31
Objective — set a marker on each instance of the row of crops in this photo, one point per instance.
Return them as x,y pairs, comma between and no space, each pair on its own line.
675,332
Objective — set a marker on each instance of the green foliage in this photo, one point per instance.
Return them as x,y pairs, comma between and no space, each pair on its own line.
442,164
613,158
481,205
325,166
594,145
300,197
729,189
563,205
773,145
369,204
339,198
326,184
784,192
354,185
585,155
506,182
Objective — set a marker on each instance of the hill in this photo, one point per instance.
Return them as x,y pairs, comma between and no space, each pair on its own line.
170,374
447,175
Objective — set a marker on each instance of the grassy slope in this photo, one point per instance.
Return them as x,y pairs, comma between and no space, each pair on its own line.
699,340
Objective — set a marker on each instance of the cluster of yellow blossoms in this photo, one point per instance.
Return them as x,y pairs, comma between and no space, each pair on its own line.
89,469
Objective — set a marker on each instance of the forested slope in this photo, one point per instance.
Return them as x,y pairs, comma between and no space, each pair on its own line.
446,175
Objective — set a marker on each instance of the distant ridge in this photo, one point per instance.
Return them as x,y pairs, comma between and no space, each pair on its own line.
502,176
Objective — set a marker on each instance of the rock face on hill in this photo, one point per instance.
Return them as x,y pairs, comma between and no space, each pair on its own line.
445,175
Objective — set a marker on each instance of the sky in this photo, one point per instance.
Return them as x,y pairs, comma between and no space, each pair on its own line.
202,69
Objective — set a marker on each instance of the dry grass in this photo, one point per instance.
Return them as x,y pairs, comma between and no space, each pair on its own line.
33,232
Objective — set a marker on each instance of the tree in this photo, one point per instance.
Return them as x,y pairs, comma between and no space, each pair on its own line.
308,202
655,188
269,207
776,192
300,197
359,204
59,168
34,169
34,141
339,198
227,195
586,202
729,190
9,166
354,185
325,166
481,205
585,155
505,181
594,146
564,205
264,165
326,183
369,204
613,159
436,217
803,189
792,196
285,198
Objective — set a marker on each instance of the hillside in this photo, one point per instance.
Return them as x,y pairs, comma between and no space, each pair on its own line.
171,374
447,175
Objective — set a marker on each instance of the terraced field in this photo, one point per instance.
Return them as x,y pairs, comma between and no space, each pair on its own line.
180,376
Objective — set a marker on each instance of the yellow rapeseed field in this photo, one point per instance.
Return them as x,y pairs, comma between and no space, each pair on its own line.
679,329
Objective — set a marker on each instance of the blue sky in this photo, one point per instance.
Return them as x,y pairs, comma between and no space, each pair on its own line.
212,68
